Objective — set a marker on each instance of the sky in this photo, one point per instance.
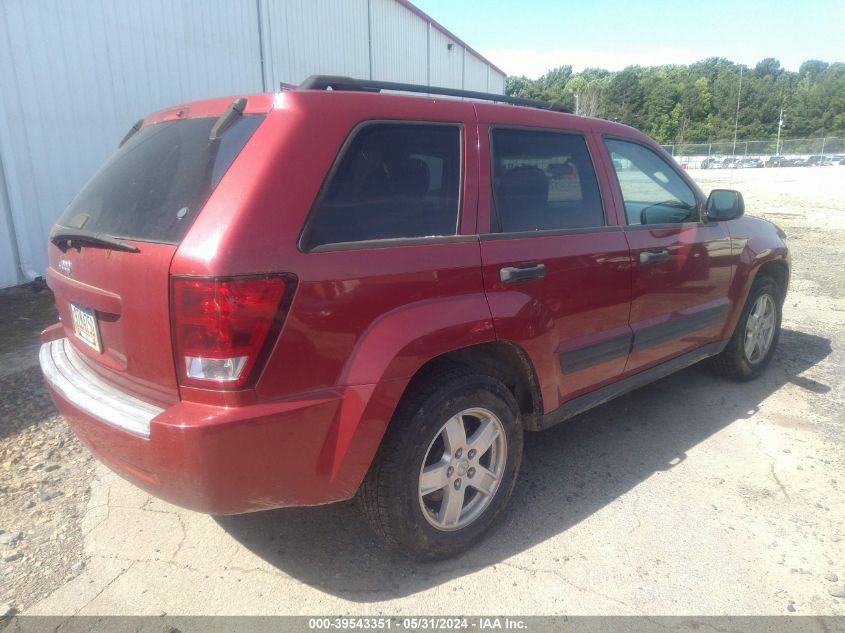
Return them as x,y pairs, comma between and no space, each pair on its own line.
529,37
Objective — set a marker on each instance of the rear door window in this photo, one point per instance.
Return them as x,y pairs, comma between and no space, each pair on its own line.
543,181
154,186
394,180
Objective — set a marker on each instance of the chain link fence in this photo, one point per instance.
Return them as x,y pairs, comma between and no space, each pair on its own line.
693,154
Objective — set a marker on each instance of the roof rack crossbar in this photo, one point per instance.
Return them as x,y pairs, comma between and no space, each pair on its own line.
334,82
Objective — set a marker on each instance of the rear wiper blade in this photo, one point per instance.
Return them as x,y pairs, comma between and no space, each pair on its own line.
63,238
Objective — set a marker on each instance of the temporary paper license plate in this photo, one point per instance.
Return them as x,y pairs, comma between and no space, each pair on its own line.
85,325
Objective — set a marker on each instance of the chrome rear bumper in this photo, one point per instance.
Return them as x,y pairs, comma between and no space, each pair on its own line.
81,387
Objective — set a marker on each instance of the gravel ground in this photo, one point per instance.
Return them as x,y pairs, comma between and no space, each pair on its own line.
693,495
44,470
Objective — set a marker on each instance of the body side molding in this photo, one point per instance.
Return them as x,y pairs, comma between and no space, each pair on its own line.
600,396
584,357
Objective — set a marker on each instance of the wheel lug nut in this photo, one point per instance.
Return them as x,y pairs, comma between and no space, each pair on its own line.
450,471
471,473
458,453
457,484
471,453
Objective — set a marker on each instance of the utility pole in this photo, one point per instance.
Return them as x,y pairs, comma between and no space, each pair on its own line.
577,103
738,95
780,125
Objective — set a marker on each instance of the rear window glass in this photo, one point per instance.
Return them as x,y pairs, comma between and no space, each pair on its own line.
544,181
395,180
154,186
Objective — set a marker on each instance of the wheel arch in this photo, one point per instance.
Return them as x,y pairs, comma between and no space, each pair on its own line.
367,411
776,265
503,360
778,270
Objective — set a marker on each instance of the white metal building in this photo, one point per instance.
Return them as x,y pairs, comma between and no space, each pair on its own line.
75,75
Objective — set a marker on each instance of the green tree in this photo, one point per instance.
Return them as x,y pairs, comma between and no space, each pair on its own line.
697,102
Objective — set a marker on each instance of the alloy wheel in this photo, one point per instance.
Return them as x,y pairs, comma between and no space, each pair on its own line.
760,328
462,469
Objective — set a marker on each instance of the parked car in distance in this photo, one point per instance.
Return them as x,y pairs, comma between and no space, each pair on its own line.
818,161
731,162
330,292
751,163
711,162
839,159
780,161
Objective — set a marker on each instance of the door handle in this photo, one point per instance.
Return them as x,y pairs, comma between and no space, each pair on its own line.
521,272
653,257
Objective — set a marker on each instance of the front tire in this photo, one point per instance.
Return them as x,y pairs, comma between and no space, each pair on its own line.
753,343
447,465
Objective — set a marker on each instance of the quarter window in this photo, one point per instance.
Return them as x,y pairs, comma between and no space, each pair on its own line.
394,180
652,190
544,181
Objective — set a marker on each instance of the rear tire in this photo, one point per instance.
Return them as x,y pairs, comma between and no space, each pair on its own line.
457,434
753,343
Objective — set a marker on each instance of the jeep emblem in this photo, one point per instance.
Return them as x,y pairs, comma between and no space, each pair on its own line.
65,266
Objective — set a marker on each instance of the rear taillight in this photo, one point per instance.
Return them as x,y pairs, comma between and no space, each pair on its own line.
222,327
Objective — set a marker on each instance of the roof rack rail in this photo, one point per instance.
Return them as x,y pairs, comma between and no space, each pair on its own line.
335,82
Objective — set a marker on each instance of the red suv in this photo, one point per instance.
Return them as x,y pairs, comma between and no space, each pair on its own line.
298,298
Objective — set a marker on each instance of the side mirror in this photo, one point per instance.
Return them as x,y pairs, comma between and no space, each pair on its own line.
664,214
724,204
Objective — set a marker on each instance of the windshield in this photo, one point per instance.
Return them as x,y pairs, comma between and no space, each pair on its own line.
153,187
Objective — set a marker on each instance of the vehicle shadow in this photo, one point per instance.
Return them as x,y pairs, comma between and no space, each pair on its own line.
569,472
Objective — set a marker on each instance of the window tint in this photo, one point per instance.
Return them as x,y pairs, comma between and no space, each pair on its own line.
652,190
394,180
544,181
154,186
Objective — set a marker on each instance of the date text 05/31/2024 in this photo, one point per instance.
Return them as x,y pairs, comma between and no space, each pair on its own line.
416,624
